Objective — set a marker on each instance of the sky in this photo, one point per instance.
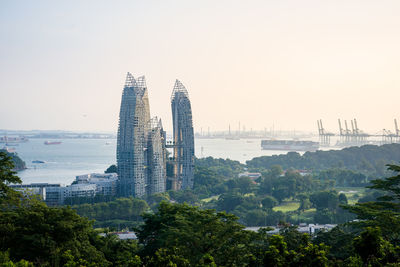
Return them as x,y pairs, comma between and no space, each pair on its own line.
281,64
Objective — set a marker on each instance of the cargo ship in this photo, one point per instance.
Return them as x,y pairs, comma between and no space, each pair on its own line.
52,142
289,145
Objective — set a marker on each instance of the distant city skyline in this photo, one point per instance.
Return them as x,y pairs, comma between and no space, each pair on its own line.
281,64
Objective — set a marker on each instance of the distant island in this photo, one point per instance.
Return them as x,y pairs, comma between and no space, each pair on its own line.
19,164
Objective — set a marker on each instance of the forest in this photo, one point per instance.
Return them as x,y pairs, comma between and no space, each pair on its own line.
205,226
367,159
282,193
184,235
19,164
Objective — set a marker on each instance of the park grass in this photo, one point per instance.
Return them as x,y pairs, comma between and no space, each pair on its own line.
353,194
206,200
287,206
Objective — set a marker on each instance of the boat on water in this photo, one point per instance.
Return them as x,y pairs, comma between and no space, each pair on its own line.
52,142
38,161
289,145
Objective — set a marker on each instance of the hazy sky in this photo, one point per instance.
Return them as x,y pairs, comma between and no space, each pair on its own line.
287,63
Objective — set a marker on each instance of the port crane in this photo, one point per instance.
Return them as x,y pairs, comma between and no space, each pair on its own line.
324,136
353,136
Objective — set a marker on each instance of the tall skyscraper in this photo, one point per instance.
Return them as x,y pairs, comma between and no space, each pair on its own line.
156,158
134,125
183,138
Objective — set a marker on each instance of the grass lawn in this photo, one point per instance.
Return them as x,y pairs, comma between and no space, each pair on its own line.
353,194
287,206
206,200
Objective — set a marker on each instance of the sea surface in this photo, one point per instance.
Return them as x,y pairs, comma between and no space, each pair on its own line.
81,156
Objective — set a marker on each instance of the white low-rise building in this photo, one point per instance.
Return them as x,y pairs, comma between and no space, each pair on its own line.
106,183
87,185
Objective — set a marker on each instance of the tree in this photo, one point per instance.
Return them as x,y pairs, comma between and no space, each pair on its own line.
325,200
339,239
293,238
18,163
49,233
306,254
276,170
269,202
373,249
385,211
7,176
229,201
191,233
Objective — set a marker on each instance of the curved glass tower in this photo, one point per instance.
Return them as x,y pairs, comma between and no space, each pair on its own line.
183,138
156,157
134,118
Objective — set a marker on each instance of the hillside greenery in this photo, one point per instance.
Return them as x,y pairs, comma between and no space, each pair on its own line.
19,164
368,159
174,234
280,194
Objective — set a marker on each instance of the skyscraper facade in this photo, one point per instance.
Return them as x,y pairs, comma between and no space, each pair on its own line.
134,118
141,144
183,138
156,158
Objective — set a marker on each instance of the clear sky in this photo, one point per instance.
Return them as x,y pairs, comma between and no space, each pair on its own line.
287,63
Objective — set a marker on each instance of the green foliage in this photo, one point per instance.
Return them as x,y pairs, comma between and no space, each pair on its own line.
6,262
18,163
184,196
7,175
269,202
385,211
339,239
181,235
224,167
191,233
304,254
120,212
325,200
293,238
229,201
90,200
287,186
119,252
328,209
367,159
39,234
373,249
167,258
344,177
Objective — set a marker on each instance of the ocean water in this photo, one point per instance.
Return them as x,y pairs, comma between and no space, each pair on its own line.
81,156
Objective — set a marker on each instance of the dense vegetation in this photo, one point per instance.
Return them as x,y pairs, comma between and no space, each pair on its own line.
280,194
32,234
119,213
19,164
367,159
